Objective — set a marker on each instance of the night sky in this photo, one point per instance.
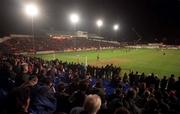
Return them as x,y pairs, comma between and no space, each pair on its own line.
152,19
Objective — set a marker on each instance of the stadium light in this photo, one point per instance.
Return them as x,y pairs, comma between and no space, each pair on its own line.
74,18
99,23
116,27
31,9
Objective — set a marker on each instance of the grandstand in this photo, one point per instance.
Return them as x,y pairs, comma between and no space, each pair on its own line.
55,42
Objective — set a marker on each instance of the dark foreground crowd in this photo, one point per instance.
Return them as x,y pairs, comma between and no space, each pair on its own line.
32,85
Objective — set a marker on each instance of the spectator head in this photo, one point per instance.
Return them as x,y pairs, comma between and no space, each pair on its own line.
172,75
33,80
99,84
83,86
92,104
164,77
25,68
47,82
61,87
9,66
142,86
131,93
147,94
122,110
118,91
35,70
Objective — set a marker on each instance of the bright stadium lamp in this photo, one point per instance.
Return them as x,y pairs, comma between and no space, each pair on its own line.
99,23
116,27
31,9
74,18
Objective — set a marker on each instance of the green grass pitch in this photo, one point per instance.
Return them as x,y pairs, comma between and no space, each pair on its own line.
141,60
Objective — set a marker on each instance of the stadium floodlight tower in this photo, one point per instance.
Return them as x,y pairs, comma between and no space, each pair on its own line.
32,10
116,28
99,24
74,18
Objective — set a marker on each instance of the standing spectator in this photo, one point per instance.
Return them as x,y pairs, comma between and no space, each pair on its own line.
171,83
164,84
177,86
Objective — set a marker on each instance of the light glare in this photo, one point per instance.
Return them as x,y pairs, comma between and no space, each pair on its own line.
74,18
116,27
31,9
99,23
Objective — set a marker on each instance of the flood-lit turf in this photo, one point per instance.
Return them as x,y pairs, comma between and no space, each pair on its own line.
142,60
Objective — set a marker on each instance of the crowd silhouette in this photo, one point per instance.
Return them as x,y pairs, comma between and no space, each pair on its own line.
32,85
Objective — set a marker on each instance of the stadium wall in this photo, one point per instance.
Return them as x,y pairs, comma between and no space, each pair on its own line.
103,48
69,50
154,46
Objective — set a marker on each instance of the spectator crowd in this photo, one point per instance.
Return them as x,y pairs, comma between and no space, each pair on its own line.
49,44
30,85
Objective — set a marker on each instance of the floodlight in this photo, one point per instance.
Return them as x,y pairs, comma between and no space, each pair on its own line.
31,9
74,18
99,23
116,27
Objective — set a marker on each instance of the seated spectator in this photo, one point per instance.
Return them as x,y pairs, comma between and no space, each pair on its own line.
43,100
91,105
62,97
78,97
